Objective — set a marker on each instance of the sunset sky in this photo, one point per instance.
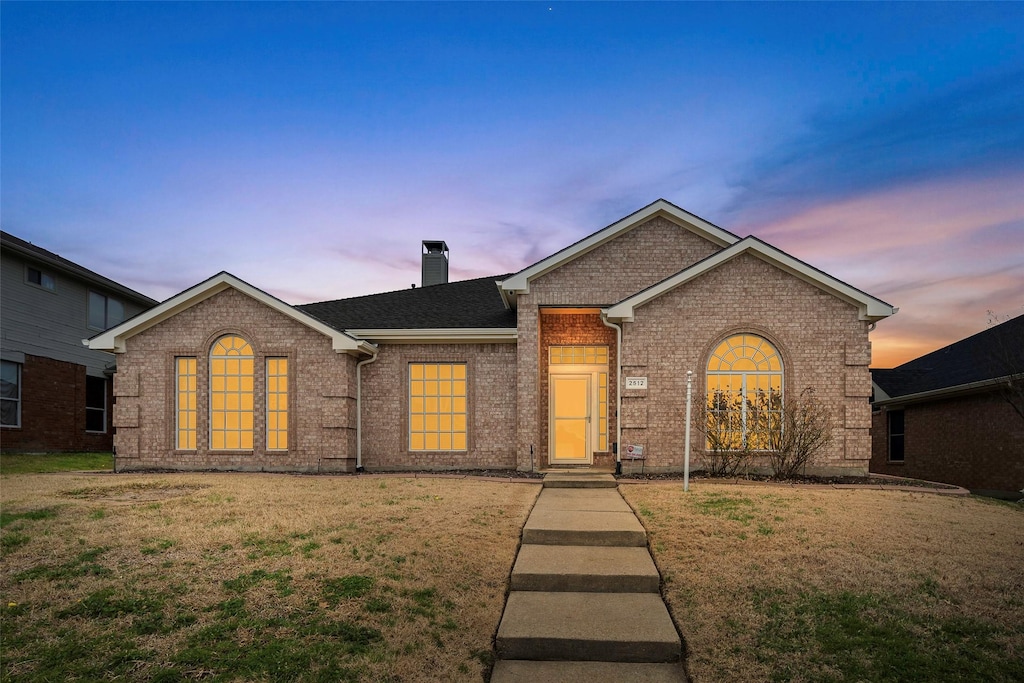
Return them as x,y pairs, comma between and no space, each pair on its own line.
309,148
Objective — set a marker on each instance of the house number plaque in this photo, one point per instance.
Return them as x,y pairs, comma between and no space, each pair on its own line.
636,382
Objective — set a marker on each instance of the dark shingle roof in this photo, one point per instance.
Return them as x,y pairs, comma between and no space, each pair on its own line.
466,304
995,352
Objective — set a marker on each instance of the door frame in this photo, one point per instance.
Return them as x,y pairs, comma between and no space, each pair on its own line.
591,372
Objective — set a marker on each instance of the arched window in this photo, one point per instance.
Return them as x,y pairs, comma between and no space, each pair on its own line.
744,394
231,394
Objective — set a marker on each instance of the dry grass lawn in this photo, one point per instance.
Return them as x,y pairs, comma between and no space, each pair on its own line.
777,583
253,577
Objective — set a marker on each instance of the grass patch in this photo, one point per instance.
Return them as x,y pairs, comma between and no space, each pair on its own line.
152,589
37,463
872,638
777,584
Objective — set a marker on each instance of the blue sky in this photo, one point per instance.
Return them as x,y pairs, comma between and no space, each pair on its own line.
309,148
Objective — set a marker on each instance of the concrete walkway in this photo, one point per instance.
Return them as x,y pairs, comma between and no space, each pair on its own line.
585,602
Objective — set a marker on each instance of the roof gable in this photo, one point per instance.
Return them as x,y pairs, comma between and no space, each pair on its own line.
114,338
870,308
519,283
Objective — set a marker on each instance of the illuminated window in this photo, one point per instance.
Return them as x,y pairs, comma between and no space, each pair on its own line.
744,393
578,355
437,407
277,404
185,405
231,394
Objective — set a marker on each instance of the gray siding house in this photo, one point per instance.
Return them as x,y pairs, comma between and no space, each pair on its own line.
55,392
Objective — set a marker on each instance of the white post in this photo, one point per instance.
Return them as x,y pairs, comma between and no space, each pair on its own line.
686,458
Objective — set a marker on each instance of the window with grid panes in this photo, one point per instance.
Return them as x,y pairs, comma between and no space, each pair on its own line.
231,394
744,394
437,407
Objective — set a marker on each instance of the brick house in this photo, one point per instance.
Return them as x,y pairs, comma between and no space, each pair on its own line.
55,394
955,415
554,365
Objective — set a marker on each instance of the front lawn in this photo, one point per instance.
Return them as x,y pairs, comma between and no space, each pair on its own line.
772,583
228,577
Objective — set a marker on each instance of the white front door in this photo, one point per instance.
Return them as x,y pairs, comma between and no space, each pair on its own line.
570,419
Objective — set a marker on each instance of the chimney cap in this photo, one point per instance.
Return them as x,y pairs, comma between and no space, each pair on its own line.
435,247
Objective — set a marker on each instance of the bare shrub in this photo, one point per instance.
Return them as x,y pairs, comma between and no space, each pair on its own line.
806,424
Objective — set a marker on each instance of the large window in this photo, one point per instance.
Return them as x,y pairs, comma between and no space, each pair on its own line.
186,409
437,406
277,404
104,312
10,394
744,394
896,436
95,404
231,394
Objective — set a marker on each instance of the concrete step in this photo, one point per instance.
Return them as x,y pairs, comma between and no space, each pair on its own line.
579,480
585,569
525,671
606,627
596,500
575,527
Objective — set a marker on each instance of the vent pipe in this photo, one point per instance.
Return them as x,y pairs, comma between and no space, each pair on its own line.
435,263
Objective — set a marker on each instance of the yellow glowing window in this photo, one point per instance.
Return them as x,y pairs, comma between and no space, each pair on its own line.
578,355
277,404
437,407
185,405
744,394
231,394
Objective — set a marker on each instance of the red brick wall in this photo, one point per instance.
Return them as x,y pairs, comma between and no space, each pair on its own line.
53,410
974,441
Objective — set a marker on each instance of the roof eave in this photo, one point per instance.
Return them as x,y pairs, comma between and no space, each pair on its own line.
869,308
114,339
967,388
519,283
457,335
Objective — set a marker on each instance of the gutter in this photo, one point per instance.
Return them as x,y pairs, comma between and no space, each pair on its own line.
977,386
359,407
618,389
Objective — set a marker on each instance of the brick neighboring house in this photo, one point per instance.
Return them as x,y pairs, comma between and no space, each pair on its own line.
526,370
955,415
55,393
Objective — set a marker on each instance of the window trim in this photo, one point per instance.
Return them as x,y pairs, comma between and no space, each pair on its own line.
17,400
43,276
102,410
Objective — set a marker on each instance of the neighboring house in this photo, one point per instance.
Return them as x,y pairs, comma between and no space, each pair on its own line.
955,415
555,365
55,393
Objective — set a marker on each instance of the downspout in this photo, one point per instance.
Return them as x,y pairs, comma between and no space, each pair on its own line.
618,390
359,407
